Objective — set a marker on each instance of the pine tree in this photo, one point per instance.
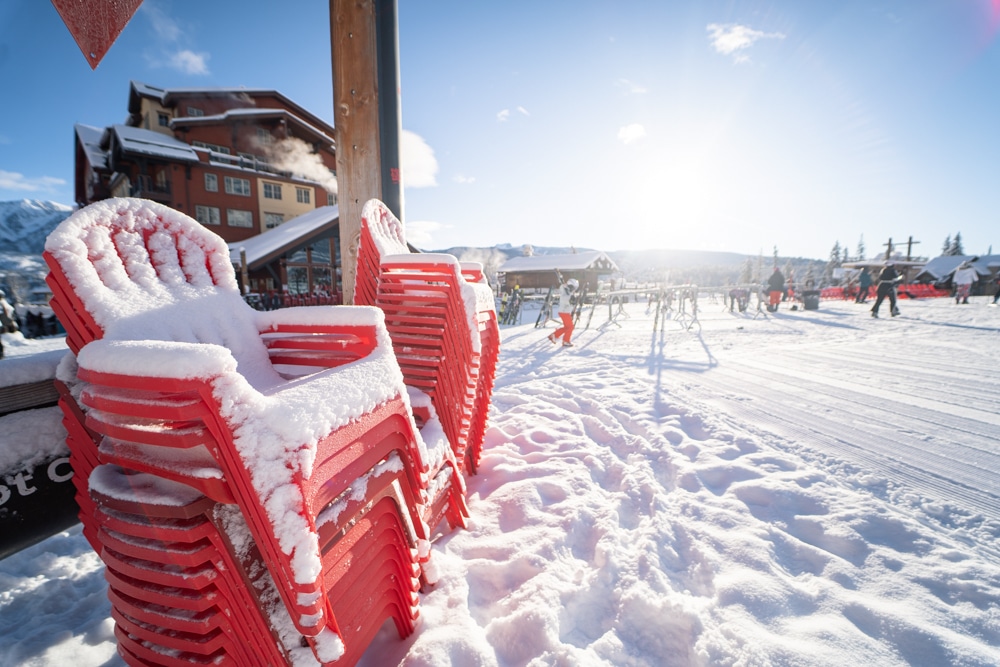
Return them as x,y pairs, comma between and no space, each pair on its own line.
861,247
956,245
946,248
746,275
832,264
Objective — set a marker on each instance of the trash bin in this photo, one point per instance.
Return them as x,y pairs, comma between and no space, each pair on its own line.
810,299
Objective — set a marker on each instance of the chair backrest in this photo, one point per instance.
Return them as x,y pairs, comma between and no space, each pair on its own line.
381,235
138,270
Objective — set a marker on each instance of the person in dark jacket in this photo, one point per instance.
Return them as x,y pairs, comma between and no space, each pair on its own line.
864,284
775,290
887,279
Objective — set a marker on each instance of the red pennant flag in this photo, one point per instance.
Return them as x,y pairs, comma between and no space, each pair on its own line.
96,24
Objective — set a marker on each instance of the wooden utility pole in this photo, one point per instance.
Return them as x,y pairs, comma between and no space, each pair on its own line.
909,248
367,118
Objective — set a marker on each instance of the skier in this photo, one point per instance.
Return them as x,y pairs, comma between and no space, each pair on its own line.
864,284
963,278
775,290
567,290
887,280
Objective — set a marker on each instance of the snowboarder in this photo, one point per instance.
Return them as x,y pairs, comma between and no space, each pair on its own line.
963,278
887,279
567,291
775,290
864,284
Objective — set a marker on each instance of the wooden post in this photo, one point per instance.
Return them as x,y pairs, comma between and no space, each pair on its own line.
366,114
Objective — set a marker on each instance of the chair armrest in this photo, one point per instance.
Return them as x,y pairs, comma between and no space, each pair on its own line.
156,359
321,337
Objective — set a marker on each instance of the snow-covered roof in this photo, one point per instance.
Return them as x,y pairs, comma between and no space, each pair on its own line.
90,141
250,113
148,142
273,242
572,262
943,266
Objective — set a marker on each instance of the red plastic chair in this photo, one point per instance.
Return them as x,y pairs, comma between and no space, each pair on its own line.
185,377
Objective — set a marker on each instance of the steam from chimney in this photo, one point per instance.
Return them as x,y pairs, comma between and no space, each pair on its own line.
294,155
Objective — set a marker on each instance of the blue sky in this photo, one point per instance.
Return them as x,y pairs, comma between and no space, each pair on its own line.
612,124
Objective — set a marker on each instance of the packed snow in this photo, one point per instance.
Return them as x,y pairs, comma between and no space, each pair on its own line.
804,488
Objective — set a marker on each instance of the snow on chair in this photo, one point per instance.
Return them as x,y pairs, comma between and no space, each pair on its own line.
442,320
276,414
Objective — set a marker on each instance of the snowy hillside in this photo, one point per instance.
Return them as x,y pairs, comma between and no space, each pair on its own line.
804,489
24,224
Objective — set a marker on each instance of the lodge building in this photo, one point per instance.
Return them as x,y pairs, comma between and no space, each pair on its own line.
240,161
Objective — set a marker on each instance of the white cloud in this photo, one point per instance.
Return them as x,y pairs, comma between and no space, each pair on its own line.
463,179
11,180
190,62
421,232
420,167
730,39
630,133
503,115
523,111
631,87
170,38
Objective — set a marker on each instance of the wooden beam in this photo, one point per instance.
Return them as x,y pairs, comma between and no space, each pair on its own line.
356,122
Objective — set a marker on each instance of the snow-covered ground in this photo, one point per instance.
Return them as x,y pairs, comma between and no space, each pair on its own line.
806,488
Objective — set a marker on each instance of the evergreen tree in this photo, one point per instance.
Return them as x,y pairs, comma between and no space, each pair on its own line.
956,245
835,254
832,264
861,247
946,248
746,274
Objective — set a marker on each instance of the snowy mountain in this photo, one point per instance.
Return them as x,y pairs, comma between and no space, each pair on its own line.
704,267
25,224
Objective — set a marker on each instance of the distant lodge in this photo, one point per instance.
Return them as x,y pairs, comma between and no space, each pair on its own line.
542,271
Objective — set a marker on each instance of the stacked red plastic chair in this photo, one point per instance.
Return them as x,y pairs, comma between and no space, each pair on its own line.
254,481
441,317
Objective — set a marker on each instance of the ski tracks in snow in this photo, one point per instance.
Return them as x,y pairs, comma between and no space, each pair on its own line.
630,519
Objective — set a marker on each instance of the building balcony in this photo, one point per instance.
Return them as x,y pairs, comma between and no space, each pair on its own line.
145,187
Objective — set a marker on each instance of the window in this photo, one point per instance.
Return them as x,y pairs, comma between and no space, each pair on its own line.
211,183
238,218
195,111
272,190
331,199
215,148
302,195
237,186
163,119
264,136
207,215
272,220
